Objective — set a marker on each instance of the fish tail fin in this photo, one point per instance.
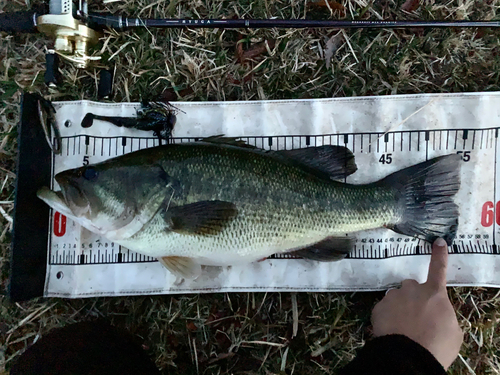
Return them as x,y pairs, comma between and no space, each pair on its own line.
426,193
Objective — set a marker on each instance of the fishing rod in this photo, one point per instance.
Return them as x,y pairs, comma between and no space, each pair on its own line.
125,23
74,30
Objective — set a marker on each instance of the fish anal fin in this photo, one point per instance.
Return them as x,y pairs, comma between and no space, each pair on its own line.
202,218
334,162
183,267
328,250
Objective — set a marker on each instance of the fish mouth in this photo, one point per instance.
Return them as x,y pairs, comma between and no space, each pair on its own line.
72,195
55,200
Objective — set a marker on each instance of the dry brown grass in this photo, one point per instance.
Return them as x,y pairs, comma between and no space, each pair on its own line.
253,332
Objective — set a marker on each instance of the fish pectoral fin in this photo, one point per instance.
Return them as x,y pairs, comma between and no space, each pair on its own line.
330,249
205,217
333,162
183,267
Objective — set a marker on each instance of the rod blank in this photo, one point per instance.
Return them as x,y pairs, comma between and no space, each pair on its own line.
119,22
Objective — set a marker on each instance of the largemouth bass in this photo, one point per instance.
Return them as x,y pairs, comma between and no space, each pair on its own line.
220,202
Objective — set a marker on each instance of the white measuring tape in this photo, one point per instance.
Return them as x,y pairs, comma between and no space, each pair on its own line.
385,134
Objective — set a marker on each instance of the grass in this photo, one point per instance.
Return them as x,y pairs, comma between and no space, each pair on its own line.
250,333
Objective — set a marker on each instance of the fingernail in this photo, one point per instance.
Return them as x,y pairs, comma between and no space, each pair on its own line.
440,242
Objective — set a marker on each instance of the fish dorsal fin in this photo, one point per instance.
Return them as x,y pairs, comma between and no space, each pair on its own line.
330,162
183,267
333,162
232,141
201,218
328,250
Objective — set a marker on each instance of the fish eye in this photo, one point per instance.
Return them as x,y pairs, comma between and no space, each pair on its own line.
90,173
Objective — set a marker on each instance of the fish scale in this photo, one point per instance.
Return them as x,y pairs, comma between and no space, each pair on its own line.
271,215
221,204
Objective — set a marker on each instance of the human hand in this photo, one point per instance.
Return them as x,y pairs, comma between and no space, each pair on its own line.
423,312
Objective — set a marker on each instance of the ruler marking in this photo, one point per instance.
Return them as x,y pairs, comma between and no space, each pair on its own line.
426,145
465,135
374,252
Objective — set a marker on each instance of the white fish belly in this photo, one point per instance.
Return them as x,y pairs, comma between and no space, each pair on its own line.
241,242
252,236
217,251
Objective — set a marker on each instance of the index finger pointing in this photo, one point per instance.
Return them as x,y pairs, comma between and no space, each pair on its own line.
438,265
